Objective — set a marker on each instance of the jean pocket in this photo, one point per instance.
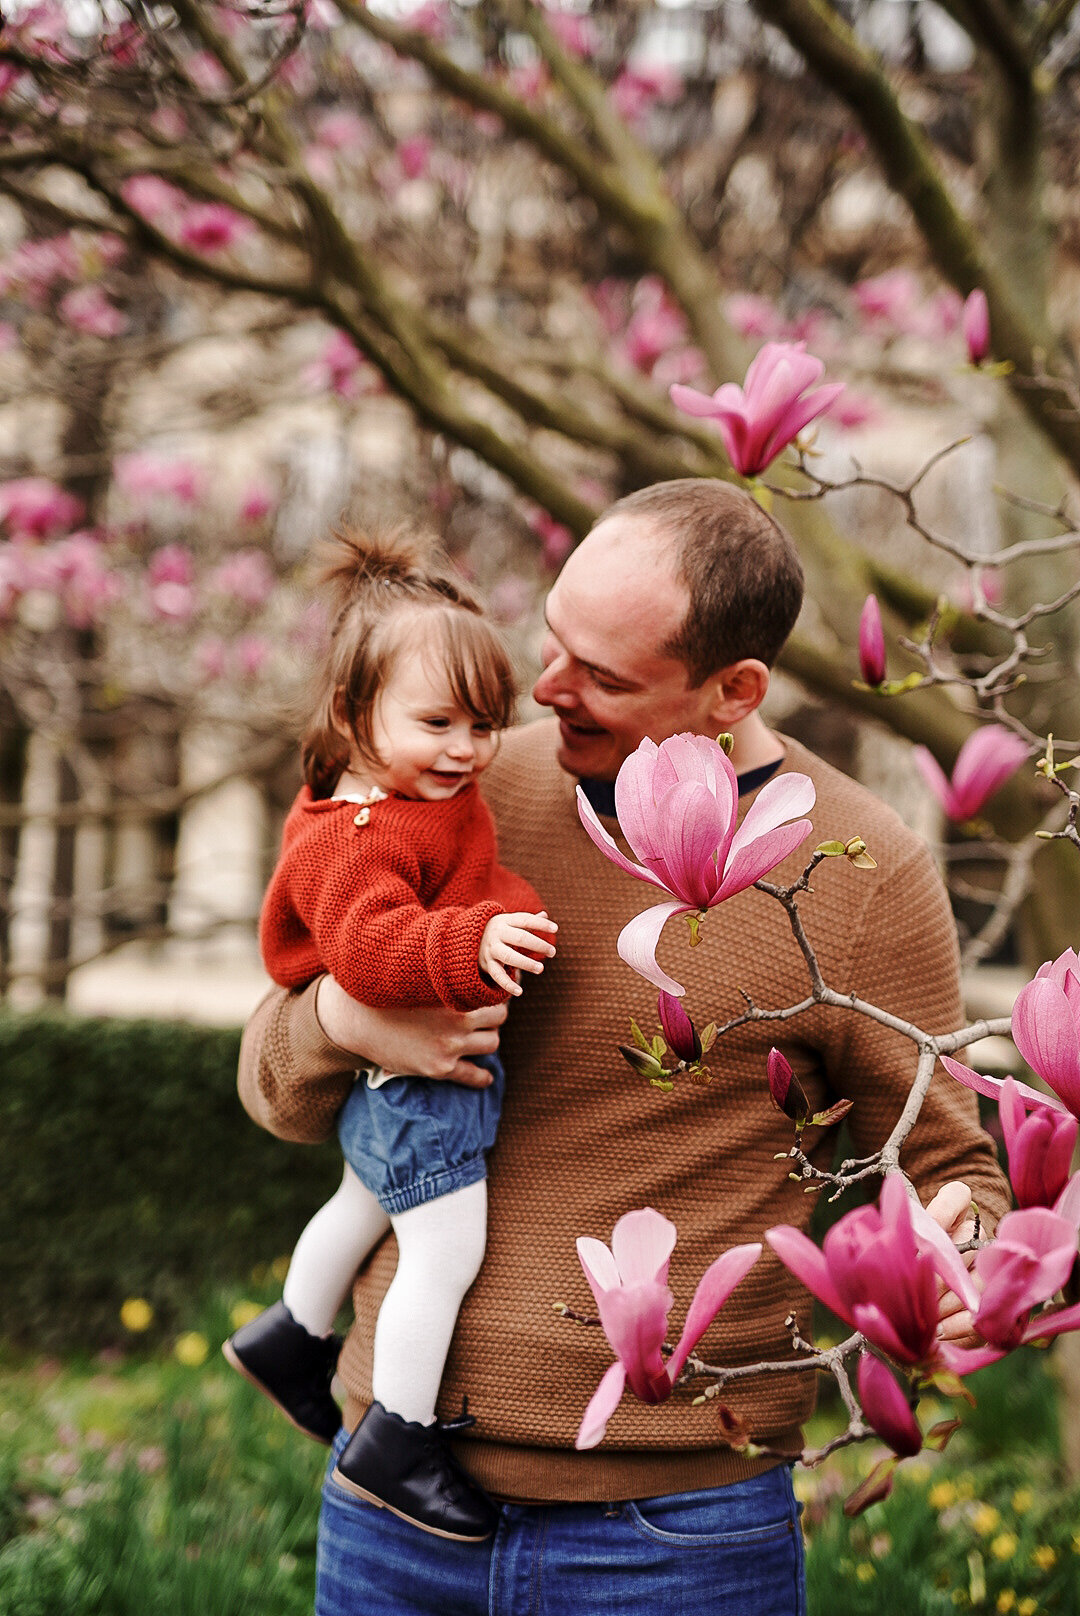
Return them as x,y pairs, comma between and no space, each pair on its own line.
703,1519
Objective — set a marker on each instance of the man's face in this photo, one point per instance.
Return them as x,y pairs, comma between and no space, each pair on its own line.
615,603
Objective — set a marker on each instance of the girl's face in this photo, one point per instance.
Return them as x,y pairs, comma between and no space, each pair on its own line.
430,748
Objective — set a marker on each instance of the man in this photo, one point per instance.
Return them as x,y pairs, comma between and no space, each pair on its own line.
665,619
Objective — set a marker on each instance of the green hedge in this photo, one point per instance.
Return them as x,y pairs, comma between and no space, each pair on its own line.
128,1168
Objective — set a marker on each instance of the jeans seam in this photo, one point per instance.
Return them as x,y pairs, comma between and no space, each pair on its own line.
536,1574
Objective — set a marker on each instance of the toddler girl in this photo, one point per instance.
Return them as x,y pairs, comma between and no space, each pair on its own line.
388,879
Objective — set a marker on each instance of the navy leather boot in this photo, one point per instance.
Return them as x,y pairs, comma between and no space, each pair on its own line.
293,1367
408,1468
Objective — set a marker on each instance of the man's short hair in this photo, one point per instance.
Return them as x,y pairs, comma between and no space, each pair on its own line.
742,572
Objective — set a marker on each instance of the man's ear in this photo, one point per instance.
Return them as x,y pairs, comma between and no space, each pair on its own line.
738,691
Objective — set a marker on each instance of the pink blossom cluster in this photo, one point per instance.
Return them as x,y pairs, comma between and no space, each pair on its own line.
342,369
143,476
642,86
73,572
35,508
205,227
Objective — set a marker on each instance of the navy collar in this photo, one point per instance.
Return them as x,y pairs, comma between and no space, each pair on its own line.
601,793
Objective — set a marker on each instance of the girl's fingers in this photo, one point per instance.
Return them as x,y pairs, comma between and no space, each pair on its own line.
501,980
510,956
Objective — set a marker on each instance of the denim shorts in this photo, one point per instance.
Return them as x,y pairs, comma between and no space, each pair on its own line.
416,1138
727,1551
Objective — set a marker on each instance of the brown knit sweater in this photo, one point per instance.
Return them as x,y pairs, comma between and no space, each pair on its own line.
583,1140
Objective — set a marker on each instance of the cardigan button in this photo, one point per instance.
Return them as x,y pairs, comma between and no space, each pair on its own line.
363,817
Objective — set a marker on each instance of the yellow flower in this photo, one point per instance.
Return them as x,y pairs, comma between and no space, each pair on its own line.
192,1349
986,1519
1044,1557
1022,1500
279,1268
136,1315
242,1313
941,1495
1006,1601
965,1488
865,1571
1004,1545
1027,1607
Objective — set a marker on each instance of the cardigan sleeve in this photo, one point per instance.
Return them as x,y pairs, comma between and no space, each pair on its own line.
374,936
292,1080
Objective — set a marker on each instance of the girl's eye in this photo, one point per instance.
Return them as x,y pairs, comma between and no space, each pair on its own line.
437,723
483,729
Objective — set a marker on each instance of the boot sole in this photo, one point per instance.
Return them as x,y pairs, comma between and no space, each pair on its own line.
231,1356
341,1480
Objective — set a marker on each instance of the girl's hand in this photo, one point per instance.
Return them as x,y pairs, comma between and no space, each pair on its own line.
505,936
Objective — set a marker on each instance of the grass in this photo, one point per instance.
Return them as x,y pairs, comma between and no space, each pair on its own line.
158,1483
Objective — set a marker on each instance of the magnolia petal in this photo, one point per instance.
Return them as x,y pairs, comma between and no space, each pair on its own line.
887,1408
597,833
800,413
784,797
1044,1032
946,1259
763,854
602,1405
600,1267
808,1264
934,777
634,1319
1049,1325
1067,1205
691,402
691,830
635,799
984,762
877,1327
966,1360
637,944
641,1244
714,1287
992,1086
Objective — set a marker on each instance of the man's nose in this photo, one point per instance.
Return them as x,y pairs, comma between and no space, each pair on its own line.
553,687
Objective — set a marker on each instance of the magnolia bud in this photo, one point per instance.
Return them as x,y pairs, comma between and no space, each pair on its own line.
683,1041
786,1090
643,1063
726,741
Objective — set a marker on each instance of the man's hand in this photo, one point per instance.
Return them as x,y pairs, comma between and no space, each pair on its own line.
430,1041
951,1208
504,938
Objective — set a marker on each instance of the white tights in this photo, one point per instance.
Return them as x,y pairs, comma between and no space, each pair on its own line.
440,1249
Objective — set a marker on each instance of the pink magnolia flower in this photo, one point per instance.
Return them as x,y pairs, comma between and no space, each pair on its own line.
87,309
769,411
985,761
638,88
528,82
871,644
609,298
258,502
207,74
575,34
753,316
152,197
430,18
1039,1147
35,508
414,155
341,130
556,540
246,576
887,1407
629,1283
892,299
171,564
1025,1265
143,476
212,227
251,653
855,410
975,323
171,602
340,368
878,1269
85,583
677,806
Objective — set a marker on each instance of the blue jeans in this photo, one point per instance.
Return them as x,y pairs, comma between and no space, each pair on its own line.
729,1551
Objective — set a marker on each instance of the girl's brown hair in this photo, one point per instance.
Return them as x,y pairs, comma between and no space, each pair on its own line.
376,585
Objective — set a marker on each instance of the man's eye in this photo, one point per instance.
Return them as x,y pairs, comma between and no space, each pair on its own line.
605,684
